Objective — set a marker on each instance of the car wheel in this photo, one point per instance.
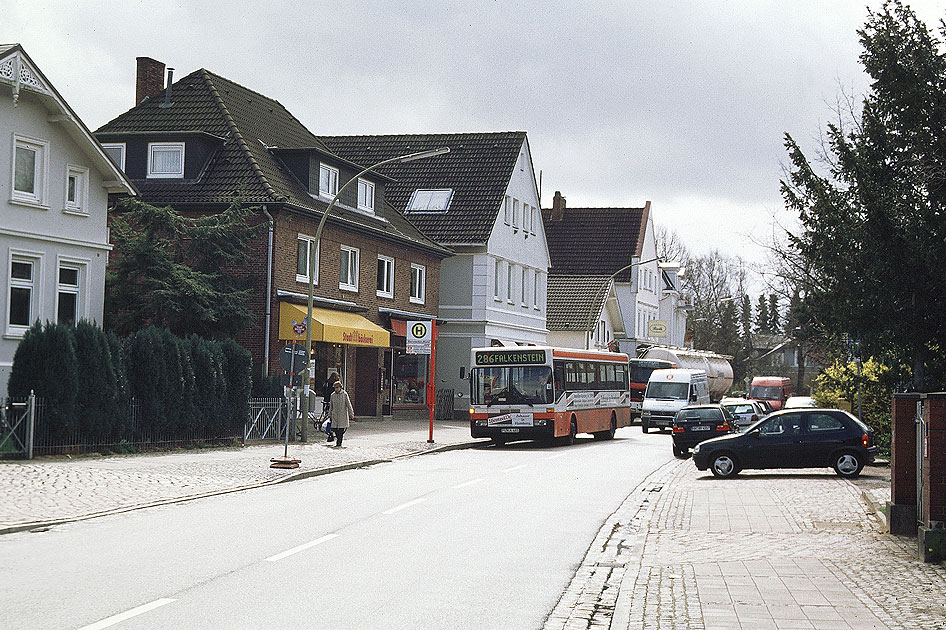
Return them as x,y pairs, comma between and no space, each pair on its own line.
847,464
680,452
724,465
645,427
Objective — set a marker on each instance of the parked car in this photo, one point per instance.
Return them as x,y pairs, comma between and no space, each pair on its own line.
792,438
744,412
794,402
693,424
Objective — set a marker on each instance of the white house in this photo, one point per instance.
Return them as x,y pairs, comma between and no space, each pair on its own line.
54,184
606,286
481,201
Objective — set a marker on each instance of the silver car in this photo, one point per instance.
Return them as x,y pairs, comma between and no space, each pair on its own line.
744,412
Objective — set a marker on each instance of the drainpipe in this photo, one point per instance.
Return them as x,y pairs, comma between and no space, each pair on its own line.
269,293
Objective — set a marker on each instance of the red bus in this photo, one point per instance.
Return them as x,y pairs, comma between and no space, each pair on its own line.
640,370
542,393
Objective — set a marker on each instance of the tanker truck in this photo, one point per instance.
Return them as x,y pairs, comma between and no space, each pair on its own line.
717,367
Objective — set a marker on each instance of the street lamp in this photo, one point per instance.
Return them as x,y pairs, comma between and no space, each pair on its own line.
409,157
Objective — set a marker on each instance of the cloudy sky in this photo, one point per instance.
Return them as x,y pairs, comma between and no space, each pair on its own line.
682,103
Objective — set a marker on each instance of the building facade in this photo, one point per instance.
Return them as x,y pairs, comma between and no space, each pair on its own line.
482,202
202,142
55,179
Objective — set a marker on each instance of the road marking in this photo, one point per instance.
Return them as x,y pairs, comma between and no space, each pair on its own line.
468,483
308,545
402,506
556,456
514,468
134,612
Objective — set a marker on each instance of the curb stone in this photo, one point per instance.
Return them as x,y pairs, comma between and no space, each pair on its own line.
46,524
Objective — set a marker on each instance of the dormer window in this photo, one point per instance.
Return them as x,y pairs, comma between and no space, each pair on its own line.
430,200
328,180
116,151
165,160
365,195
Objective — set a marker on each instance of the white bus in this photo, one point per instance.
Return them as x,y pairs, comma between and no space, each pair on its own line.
542,393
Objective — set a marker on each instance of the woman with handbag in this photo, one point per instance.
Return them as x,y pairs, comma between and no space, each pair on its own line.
340,412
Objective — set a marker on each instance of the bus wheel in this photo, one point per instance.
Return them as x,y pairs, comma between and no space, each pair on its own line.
609,434
572,432
498,441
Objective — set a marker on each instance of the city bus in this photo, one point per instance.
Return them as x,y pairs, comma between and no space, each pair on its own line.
543,393
640,371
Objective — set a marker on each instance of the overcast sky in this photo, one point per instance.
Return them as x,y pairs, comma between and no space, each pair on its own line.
681,103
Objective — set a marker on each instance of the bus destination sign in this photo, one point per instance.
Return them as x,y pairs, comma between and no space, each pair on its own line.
511,357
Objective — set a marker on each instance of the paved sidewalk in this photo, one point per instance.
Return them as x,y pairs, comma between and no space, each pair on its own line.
47,491
768,549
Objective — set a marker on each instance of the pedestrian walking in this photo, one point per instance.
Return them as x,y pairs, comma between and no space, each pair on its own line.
327,390
340,412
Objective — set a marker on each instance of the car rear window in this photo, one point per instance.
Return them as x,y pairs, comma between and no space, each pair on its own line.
700,414
818,422
740,408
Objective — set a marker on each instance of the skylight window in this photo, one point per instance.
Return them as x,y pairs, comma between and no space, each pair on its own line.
427,200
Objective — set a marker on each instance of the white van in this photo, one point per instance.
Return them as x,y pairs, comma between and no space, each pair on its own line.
669,391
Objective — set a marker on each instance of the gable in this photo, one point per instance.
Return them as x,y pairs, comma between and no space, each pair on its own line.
595,241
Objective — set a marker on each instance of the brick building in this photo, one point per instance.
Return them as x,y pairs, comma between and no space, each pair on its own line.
203,141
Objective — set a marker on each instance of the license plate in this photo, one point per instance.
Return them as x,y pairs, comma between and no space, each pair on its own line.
509,430
701,427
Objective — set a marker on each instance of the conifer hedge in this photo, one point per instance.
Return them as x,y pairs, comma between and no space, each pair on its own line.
183,389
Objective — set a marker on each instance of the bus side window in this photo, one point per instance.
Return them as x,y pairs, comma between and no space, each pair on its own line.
559,377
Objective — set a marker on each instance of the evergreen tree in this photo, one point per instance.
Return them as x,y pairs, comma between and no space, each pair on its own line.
237,368
874,228
45,362
762,319
97,393
178,272
148,382
775,323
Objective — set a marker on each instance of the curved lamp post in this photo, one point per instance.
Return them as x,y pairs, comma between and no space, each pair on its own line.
409,157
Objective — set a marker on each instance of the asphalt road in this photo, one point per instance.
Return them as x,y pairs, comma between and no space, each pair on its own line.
483,538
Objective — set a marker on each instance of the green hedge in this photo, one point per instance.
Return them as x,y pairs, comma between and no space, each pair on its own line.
184,389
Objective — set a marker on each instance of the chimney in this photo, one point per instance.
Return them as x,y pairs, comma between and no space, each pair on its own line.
150,78
558,207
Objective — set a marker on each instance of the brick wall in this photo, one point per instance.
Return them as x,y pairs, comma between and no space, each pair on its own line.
934,466
903,449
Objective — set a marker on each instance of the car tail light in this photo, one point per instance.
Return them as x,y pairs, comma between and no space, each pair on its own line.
723,427
865,440
677,428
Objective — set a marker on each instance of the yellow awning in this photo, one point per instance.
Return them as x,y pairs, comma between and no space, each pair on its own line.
331,326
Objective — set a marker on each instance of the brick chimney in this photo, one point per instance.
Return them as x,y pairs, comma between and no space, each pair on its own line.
558,207
150,78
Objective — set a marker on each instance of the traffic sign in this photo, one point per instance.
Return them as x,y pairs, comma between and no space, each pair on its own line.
292,358
418,337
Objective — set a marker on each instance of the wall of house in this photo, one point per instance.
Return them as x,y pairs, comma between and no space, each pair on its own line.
475,312
568,339
48,235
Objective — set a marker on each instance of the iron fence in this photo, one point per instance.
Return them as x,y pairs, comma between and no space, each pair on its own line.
28,429
267,419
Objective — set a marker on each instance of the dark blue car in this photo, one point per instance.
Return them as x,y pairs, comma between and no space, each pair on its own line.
793,438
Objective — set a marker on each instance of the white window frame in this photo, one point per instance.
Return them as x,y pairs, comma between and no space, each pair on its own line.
535,219
507,210
535,290
34,284
365,195
430,200
79,205
497,280
312,244
509,283
526,218
515,213
152,147
525,287
351,269
121,149
388,263
78,289
39,196
332,189
418,283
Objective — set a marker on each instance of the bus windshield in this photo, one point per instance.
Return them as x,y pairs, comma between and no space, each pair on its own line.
527,385
662,389
770,392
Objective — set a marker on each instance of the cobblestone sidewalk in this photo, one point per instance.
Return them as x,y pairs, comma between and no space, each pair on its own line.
48,491
785,550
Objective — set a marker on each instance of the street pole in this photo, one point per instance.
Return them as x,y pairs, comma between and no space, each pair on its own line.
409,157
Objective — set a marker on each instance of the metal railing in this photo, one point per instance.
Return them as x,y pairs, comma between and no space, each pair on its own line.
267,419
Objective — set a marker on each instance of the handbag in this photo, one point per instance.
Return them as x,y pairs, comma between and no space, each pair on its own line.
327,427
